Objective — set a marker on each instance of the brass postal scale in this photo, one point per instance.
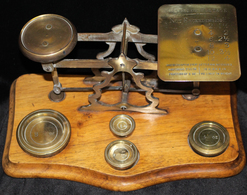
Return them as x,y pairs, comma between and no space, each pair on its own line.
120,129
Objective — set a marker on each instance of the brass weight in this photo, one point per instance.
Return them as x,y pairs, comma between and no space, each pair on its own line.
43,133
209,138
121,154
122,125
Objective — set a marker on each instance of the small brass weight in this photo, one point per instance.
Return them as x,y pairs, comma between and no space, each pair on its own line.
171,130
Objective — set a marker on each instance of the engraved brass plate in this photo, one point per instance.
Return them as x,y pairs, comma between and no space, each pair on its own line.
47,38
209,138
43,133
121,154
198,42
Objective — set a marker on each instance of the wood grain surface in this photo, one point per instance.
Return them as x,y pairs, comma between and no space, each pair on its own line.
165,154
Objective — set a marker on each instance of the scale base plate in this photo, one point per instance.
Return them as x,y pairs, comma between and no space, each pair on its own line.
162,140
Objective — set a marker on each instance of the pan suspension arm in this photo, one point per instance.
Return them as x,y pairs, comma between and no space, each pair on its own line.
123,33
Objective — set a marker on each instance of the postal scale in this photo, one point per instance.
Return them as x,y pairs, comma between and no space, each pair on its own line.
123,129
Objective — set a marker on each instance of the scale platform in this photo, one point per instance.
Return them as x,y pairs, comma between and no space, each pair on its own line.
120,129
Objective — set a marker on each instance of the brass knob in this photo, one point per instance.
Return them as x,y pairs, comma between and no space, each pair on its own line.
43,133
209,138
47,38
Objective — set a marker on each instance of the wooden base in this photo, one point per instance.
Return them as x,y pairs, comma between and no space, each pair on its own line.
165,154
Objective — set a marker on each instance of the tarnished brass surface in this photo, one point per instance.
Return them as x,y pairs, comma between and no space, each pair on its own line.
123,65
209,138
95,63
198,42
121,154
122,125
43,133
56,97
47,38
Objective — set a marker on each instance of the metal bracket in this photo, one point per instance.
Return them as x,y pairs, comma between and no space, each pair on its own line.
124,65
123,33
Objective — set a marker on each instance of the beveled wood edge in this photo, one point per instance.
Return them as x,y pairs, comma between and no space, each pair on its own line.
118,183
5,159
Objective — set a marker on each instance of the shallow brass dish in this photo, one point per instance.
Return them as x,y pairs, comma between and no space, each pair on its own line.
47,38
43,133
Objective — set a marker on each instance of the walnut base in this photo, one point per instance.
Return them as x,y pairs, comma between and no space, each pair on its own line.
165,154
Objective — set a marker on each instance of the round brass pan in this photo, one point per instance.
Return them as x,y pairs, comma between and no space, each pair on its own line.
43,133
47,38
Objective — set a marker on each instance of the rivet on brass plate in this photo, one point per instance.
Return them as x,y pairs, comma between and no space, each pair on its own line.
122,125
43,133
197,49
209,138
47,38
121,154
197,32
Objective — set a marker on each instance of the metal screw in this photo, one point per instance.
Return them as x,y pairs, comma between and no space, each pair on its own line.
123,107
56,90
45,43
48,26
48,69
197,32
197,49
196,92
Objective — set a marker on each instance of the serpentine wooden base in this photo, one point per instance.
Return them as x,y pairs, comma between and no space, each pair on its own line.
161,139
